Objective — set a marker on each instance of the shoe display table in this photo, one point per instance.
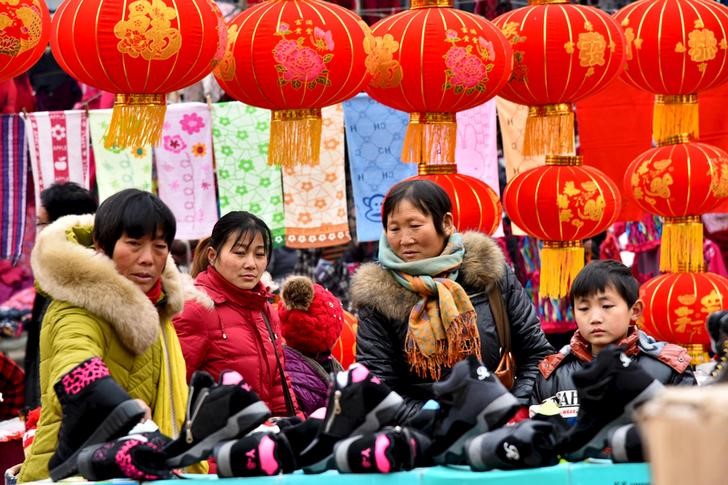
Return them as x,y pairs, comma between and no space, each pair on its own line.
564,474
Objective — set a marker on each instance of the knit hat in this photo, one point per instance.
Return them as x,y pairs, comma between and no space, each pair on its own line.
311,316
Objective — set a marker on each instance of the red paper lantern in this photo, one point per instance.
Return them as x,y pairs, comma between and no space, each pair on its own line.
475,206
294,57
679,181
139,50
675,48
26,25
562,53
561,203
432,61
677,305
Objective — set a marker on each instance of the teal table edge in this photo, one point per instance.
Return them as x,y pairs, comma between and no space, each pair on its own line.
595,473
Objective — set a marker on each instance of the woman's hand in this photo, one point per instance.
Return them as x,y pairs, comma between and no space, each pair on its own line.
147,411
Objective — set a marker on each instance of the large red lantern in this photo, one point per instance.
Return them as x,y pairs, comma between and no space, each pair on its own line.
675,48
26,26
432,61
562,53
139,50
679,180
676,306
294,57
561,203
476,206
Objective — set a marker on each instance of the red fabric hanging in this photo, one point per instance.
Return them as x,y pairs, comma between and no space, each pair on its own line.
615,126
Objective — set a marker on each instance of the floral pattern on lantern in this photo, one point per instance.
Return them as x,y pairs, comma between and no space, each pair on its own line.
561,203
676,306
24,30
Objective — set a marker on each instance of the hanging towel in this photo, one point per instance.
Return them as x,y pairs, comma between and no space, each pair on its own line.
245,181
13,186
118,169
59,148
314,197
476,149
374,135
185,176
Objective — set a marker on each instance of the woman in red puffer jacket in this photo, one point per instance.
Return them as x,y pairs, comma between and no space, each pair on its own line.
238,328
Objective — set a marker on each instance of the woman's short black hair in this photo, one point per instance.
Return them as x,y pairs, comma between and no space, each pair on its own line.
62,199
135,213
240,224
596,276
425,195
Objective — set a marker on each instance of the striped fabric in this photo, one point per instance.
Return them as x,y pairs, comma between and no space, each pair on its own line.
13,186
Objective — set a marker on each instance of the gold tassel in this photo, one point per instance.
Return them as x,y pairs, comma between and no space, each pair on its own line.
560,263
681,247
549,130
430,138
674,115
697,354
136,121
295,137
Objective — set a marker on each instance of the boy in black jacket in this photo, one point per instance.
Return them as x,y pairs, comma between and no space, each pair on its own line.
606,308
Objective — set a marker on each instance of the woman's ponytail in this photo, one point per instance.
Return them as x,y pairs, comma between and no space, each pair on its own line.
200,261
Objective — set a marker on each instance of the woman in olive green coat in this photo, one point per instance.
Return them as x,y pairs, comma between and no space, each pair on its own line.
101,283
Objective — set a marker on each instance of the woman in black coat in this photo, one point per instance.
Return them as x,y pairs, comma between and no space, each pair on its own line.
422,256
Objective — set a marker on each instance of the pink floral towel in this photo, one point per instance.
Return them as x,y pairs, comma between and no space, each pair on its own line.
184,169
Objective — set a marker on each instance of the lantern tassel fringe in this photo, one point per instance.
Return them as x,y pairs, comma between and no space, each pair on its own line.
135,125
681,248
549,134
295,141
559,267
671,118
430,142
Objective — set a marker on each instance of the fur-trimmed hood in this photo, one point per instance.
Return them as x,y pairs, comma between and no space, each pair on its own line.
372,285
68,268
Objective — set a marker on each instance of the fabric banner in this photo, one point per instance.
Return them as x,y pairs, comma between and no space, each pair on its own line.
512,120
245,181
374,136
118,169
185,175
315,196
615,126
13,186
476,149
59,148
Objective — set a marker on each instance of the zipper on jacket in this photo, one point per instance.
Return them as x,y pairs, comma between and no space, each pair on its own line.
192,415
165,353
337,410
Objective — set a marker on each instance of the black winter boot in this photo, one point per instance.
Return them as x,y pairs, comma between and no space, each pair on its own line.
215,413
527,444
136,456
472,401
358,403
389,450
95,410
626,444
609,389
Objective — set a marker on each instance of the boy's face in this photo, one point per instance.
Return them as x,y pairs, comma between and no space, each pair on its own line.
603,318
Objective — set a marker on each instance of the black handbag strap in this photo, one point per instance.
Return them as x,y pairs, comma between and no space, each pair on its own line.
284,382
502,325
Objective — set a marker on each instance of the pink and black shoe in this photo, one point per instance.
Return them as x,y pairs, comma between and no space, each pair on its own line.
215,413
359,403
390,450
137,456
95,409
255,455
